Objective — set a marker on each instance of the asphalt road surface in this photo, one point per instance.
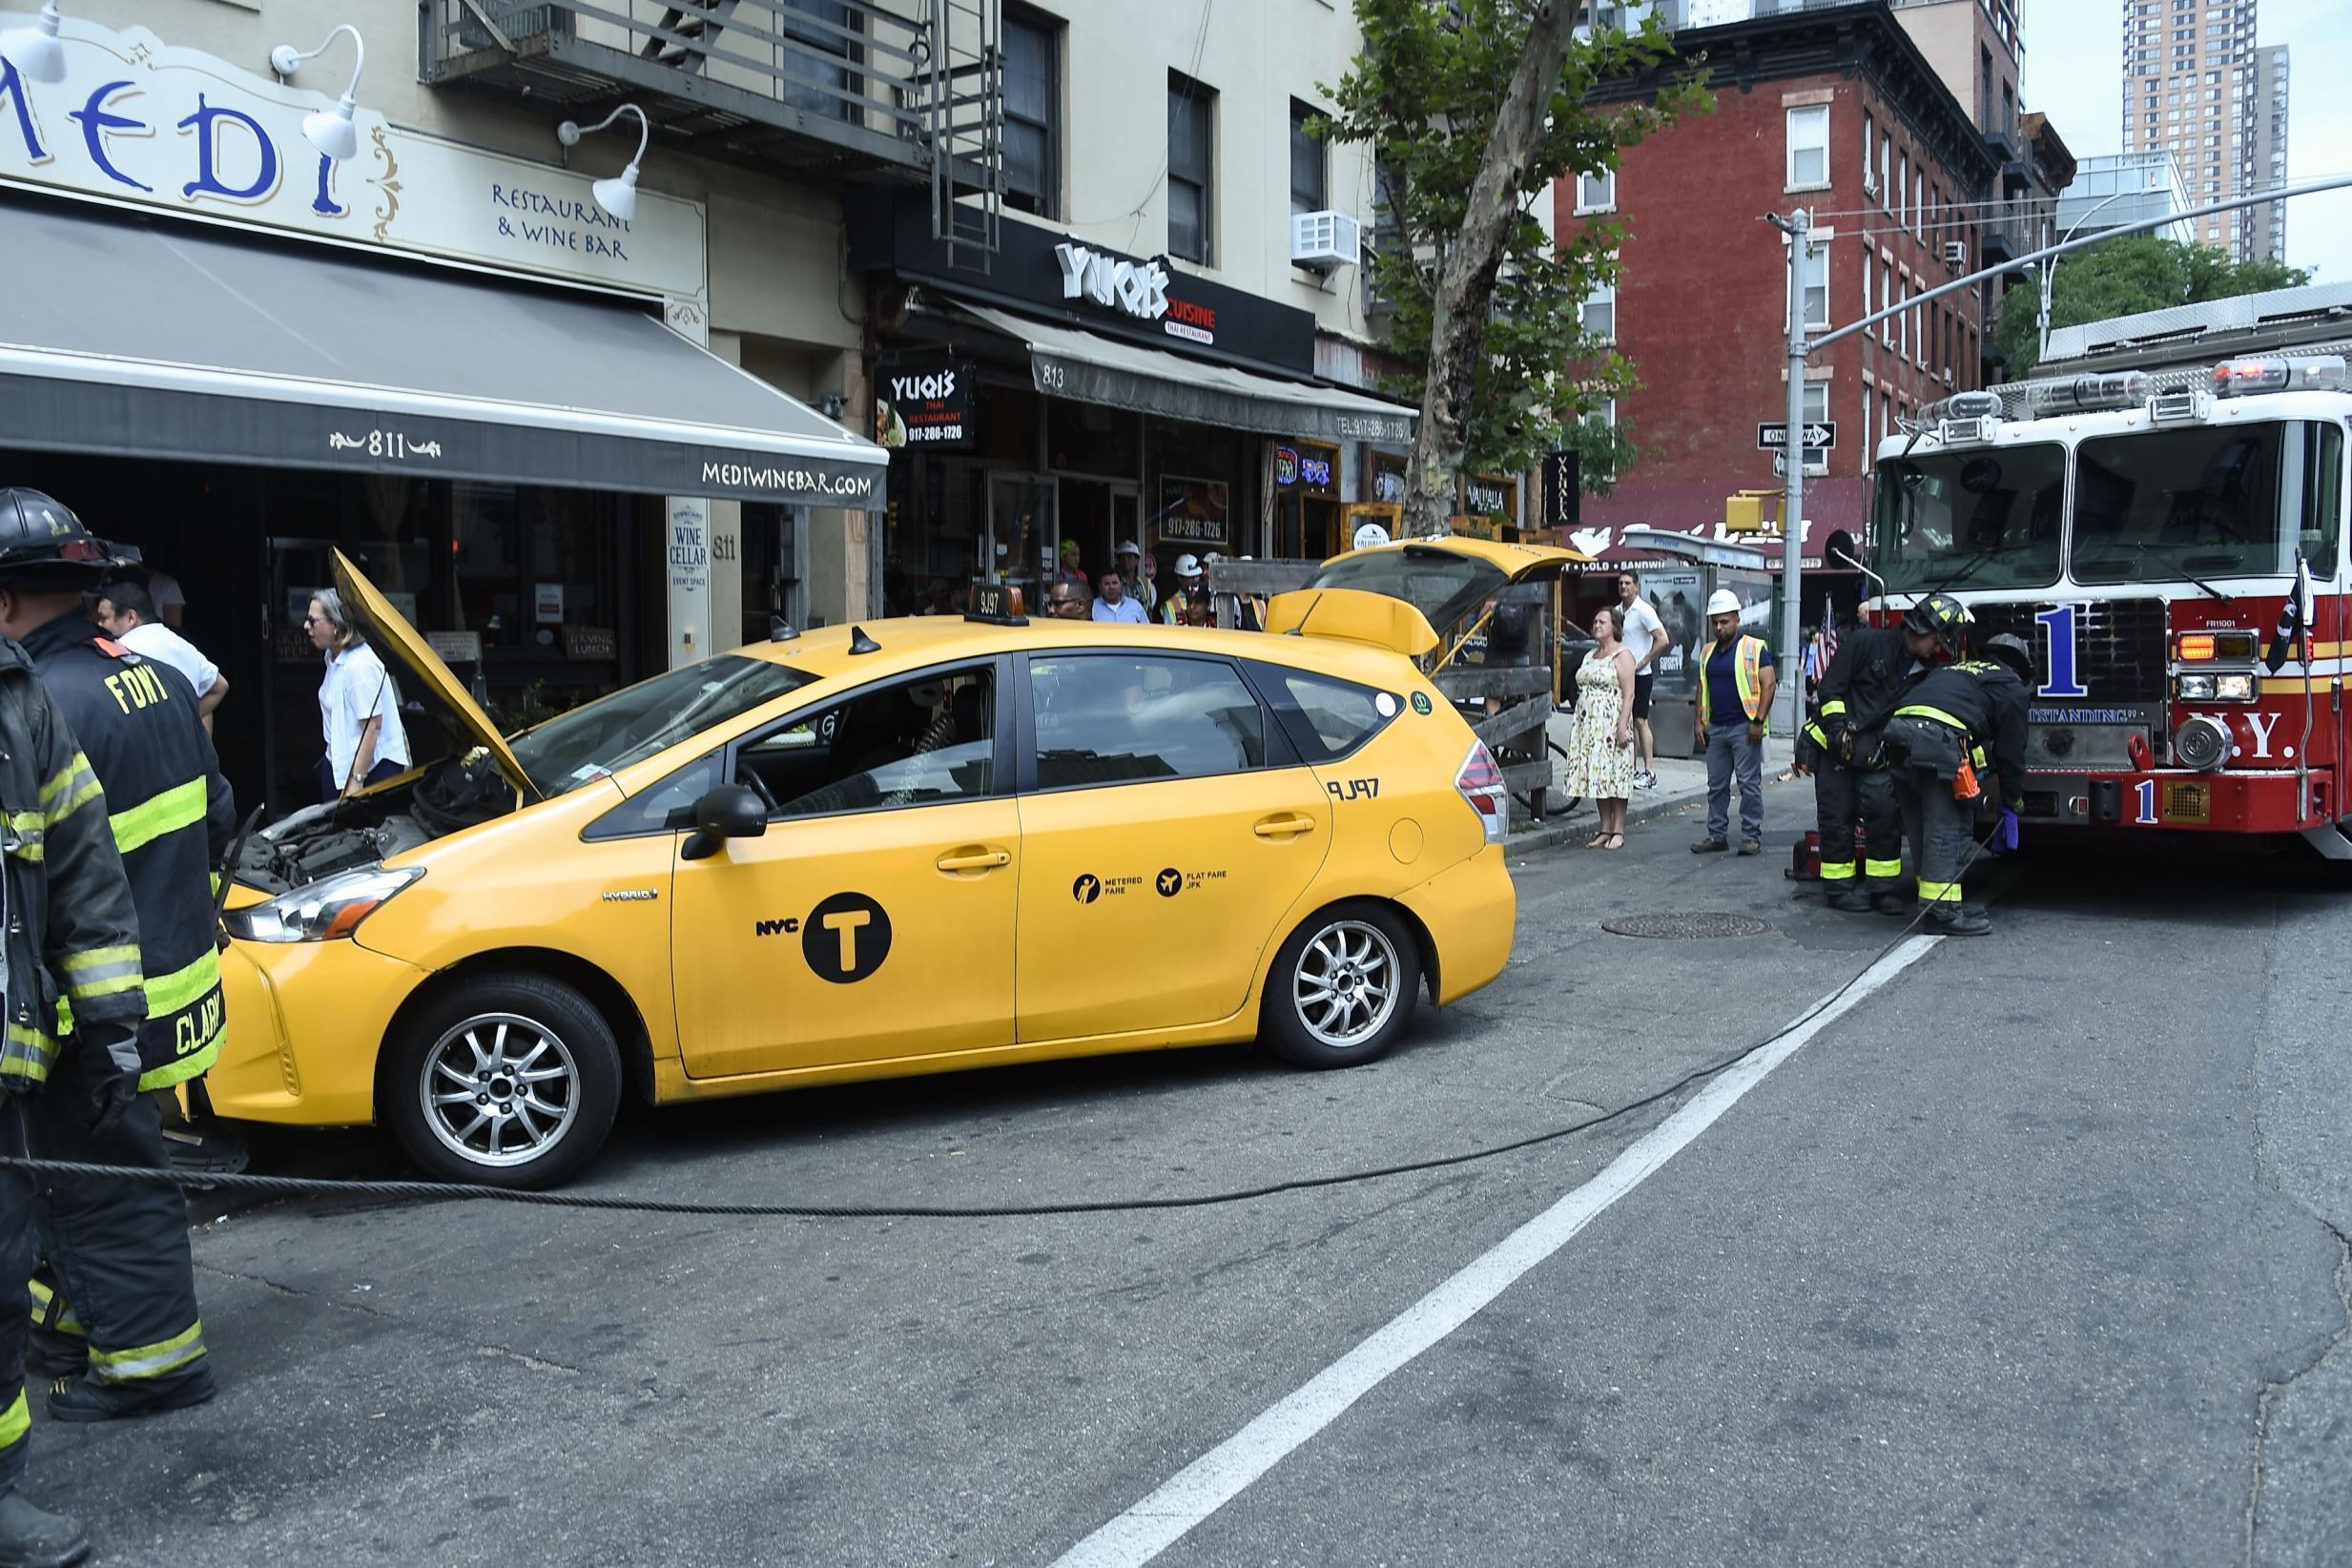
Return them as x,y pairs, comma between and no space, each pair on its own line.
2034,1252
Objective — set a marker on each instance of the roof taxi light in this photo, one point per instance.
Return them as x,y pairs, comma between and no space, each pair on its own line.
2316,373
2085,394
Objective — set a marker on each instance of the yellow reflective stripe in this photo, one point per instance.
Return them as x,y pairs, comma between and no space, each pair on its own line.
169,993
148,1360
27,1053
74,787
1833,708
16,1421
102,972
181,806
1939,893
29,830
51,1312
1837,870
196,1063
1923,711
1815,731
1882,868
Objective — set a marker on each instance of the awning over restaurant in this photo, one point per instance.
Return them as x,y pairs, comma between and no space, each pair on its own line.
134,339
1070,362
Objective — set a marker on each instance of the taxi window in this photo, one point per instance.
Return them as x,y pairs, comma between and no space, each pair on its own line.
1327,719
664,807
1119,719
910,743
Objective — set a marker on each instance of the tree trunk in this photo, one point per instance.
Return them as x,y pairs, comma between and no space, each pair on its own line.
1465,284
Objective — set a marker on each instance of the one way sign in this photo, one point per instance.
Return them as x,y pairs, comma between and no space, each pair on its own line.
1818,436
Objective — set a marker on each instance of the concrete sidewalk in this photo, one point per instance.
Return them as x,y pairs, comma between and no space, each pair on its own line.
1682,783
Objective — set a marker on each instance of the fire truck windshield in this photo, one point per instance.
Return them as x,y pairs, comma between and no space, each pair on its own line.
1973,518
2204,502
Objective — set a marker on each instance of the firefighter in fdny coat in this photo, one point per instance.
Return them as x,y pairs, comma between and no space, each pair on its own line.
1957,740
1851,783
114,1307
71,936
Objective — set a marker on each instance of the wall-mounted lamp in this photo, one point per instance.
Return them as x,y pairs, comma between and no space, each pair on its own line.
617,195
34,51
328,130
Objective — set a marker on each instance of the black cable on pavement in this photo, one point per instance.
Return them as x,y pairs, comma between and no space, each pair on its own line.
454,1191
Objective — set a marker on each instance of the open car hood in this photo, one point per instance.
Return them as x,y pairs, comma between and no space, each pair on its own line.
1444,579
392,634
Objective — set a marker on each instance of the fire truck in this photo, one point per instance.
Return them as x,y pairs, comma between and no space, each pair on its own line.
2161,516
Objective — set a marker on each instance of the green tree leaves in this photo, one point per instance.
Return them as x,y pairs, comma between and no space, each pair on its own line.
2123,278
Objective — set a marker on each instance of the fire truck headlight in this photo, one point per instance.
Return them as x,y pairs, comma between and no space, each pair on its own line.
2197,687
2202,744
2239,688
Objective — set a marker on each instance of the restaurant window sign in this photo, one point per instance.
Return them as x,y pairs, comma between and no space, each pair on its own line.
926,404
141,123
1308,468
1193,511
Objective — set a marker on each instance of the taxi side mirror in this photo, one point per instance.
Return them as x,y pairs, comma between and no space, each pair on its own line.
730,811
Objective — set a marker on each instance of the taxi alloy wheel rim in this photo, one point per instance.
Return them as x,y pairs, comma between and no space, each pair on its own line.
500,1089
1345,985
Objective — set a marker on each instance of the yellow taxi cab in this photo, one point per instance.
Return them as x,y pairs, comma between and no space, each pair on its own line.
912,847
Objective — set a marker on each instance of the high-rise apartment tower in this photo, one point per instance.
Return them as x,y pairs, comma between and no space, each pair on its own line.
2194,85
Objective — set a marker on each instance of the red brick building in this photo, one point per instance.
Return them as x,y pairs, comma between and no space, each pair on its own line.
1833,109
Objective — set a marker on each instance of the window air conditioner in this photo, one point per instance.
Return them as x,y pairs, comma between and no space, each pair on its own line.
1870,182
1956,254
1325,240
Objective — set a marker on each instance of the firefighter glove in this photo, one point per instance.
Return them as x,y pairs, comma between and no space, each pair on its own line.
2005,831
110,1072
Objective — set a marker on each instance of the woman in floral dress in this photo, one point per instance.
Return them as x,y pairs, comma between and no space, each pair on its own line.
1601,757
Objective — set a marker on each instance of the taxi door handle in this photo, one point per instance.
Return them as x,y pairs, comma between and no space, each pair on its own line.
974,859
1287,826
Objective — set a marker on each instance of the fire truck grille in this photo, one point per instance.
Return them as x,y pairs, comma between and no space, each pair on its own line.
2119,652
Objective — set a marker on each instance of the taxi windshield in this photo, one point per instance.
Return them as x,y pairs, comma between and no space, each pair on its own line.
1442,584
630,725
2226,502
1970,519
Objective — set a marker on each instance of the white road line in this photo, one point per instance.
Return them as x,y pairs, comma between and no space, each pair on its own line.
1218,1476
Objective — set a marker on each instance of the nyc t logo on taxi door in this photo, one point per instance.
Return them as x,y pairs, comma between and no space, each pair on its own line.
846,937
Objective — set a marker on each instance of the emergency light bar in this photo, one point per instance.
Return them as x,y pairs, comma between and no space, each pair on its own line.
2319,373
1965,417
2086,394
2197,647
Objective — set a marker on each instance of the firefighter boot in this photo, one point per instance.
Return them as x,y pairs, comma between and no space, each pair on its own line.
32,1536
1887,902
1959,921
1849,899
81,1400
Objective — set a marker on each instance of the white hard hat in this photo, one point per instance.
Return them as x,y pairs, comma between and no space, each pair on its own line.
1369,536
1188,565
1723,602
1128,546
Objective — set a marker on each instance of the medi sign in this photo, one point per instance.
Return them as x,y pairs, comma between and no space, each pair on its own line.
137,122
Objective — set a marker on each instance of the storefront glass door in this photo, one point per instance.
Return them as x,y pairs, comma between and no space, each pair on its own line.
1023,527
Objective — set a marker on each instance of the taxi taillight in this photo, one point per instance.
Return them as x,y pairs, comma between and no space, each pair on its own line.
1481,783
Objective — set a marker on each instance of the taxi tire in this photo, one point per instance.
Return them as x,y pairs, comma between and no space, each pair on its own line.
1283,1031
562,1009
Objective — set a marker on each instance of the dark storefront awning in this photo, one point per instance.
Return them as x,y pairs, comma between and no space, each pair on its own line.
156,341
1071,362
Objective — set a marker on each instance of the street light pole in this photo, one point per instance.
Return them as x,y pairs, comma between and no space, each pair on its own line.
2050,271
1800,230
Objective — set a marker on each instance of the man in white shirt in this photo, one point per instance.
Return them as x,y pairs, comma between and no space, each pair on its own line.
1113,604
1644,636
127,611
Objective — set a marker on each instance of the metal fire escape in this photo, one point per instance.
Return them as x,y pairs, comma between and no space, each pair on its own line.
851,92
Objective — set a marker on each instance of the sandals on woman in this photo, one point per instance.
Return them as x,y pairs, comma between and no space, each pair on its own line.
1619,845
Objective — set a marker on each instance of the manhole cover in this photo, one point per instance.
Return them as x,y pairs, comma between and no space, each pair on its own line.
1686,927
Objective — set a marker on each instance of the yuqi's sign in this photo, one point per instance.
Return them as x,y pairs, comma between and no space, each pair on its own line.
139,122
926,404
